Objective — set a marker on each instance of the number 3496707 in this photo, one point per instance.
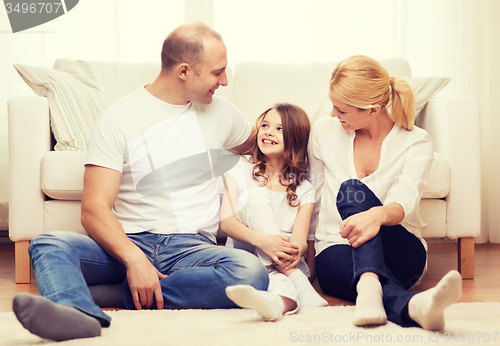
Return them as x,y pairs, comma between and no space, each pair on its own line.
40,7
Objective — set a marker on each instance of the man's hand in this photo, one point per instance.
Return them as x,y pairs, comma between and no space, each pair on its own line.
144,282
278,248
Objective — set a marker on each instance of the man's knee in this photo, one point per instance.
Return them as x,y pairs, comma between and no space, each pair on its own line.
54,241
249,270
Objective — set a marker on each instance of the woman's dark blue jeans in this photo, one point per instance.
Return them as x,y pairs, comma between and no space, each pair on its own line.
397,256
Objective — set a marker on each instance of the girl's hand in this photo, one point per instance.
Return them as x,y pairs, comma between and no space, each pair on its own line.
287,265
291,264
278,248
361,227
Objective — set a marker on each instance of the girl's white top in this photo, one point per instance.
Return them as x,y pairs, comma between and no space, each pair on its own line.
283,212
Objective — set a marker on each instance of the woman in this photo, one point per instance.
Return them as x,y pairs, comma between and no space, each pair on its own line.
369,168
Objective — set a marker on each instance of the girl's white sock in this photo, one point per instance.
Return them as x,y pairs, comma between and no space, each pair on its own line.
427,308
269,305
369,305
307,294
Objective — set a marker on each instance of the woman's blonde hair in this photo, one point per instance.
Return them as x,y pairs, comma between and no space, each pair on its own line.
361,81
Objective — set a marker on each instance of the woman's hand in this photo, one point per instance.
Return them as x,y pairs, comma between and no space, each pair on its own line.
278,248
361,227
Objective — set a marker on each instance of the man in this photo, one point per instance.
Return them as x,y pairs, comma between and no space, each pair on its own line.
150,203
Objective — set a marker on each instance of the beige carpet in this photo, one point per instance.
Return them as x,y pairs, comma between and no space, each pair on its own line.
466,323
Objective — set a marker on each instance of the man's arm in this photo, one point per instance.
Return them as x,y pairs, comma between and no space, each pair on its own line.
100,188
242,148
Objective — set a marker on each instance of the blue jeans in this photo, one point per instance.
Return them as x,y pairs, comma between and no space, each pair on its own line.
395,254
66,263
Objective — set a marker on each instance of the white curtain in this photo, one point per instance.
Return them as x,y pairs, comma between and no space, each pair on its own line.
453,38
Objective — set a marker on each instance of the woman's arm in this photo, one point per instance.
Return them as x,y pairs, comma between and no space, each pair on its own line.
277,247
361,227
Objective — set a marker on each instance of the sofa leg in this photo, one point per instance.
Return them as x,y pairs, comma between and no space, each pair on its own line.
23,264
466,257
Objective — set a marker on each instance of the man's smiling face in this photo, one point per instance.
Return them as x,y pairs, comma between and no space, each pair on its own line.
209,74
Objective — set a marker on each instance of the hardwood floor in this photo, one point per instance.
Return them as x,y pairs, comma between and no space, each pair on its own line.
442,258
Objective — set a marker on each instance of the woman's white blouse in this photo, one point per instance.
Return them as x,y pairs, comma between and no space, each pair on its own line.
405,161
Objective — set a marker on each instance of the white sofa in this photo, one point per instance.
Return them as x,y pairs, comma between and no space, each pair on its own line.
46,185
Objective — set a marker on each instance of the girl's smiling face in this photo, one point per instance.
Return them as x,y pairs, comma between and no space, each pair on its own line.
270,135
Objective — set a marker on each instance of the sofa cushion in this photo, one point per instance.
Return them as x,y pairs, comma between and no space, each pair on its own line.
62,174
433,213
62,216
439,180
65,216
75,100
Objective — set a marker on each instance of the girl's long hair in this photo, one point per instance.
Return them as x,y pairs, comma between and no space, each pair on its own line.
296,127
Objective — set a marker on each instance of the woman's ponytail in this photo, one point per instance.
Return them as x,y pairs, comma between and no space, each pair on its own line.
402,103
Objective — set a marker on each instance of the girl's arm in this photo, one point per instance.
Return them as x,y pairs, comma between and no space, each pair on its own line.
277,247
311,260
300,232
316,176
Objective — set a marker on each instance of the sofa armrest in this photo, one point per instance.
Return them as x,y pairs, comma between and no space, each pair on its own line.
454,126
29,140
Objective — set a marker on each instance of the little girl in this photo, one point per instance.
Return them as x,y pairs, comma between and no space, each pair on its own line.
266,210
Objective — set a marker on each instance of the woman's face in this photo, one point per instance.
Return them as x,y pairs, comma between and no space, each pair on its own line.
351,118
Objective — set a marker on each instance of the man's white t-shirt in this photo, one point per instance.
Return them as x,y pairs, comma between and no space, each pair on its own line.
170,157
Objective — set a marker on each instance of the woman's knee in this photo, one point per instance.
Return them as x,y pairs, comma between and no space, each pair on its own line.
354,197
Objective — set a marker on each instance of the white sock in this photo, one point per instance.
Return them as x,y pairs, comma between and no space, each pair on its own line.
369,305
307,294
269,305
427,308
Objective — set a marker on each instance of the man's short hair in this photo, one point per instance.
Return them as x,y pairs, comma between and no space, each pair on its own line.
185,45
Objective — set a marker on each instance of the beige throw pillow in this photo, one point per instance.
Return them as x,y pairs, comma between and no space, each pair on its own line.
75,100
